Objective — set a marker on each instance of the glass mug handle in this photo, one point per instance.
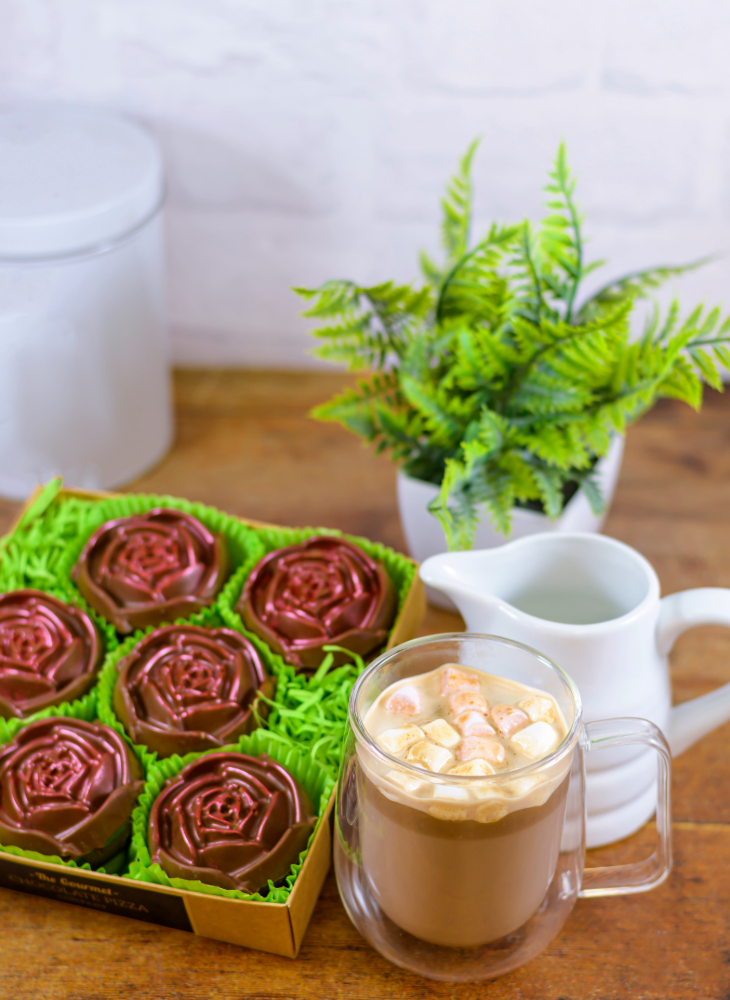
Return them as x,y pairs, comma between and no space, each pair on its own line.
620,879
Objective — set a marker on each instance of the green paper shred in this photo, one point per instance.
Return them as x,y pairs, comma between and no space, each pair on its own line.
44,499
312,711
33,554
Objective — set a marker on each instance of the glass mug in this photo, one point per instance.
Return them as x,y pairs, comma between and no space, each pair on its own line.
462,899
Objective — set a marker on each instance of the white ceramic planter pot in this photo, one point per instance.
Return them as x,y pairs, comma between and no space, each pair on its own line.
425,536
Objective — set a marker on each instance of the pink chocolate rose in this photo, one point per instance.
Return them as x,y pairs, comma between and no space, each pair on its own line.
324,591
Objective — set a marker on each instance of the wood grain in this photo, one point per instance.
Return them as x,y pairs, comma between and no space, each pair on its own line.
245,444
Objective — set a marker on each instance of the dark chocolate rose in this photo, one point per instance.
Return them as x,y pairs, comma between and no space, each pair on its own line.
323,591
230,820
185,689
49,652
67,787
151,568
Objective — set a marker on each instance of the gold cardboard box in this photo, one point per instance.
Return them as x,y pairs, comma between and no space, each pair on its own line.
274,927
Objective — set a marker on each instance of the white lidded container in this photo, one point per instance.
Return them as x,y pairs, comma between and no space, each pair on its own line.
84,371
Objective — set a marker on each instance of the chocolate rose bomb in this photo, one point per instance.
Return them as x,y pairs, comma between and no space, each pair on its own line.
324,591
68,788
184,689
151,568
49,652
230,820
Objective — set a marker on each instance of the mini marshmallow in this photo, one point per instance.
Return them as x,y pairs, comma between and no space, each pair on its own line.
540,796
456,680
396,740
451,793
441,732
475,766
521,786
474,724
405,781
405,701
539,709
465,701
451,813
477,746
491,812
508,719
429,755
537,740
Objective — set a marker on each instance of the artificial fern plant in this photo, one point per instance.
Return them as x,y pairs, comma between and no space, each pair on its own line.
496,379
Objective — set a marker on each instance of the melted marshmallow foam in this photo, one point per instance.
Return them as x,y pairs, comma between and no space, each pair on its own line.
460,722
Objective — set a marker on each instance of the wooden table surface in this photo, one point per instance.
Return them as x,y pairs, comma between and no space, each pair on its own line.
244,443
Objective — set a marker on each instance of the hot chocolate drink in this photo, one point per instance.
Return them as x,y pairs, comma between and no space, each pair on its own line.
459,839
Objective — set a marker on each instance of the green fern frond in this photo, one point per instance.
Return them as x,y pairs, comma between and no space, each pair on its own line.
456,209
474,288
589,486
528,278
682,382
443,427
332,298
430,271
550,484
560,236
636,285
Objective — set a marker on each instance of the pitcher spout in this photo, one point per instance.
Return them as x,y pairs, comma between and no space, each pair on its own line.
465,578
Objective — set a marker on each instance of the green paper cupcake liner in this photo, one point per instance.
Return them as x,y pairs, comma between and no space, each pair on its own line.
85,704
399,568
84,709
244,547
114,866
207,618
316,781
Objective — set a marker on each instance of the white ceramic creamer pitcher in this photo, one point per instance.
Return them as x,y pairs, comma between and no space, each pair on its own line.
592,605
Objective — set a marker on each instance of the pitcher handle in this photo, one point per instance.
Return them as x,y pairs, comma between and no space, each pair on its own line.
679,612
617,880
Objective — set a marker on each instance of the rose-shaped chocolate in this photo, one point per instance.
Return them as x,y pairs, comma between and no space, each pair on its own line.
323,591
49,652
230,820
67,787
185,689
151,568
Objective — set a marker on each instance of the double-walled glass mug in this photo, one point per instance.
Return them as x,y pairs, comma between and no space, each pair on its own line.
465,893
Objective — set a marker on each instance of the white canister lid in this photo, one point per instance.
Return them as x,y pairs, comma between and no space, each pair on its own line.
72,178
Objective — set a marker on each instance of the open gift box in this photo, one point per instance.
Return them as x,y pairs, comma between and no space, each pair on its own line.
138,891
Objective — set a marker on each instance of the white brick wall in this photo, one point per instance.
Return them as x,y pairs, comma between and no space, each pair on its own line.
308,140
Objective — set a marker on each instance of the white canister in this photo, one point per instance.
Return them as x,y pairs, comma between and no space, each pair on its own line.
84,370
